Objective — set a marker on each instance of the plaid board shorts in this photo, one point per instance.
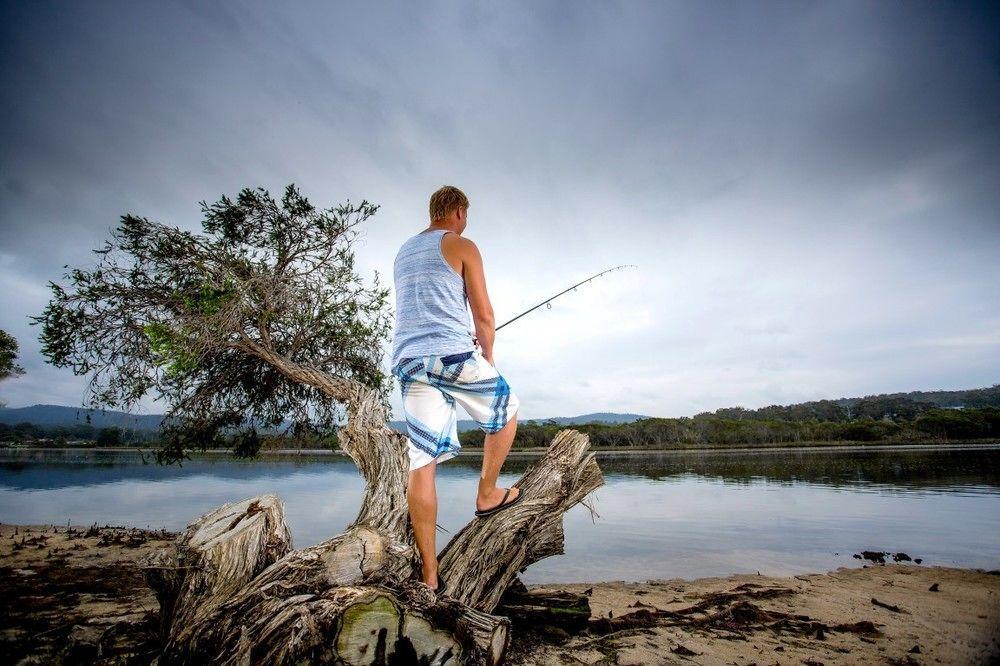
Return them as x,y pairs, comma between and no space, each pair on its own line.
431,385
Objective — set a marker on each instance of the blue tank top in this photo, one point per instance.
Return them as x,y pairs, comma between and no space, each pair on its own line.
431,313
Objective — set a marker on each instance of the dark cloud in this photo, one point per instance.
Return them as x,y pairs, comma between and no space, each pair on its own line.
807,187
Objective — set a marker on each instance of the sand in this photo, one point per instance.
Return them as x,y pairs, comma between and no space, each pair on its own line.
75,594
957,624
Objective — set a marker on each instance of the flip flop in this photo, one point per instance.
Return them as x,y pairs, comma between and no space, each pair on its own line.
502,505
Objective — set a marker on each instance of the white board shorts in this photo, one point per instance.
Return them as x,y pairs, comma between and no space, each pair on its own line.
431,385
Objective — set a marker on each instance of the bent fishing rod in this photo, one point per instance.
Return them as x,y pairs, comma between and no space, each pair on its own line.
549,300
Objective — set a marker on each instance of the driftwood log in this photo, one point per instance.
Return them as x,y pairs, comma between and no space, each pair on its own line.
542,610
233,590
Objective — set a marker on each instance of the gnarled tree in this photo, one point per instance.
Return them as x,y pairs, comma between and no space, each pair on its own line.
260,319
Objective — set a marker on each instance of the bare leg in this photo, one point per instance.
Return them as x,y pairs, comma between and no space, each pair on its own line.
421,496
495,449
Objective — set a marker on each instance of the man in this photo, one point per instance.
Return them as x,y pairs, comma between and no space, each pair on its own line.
438,363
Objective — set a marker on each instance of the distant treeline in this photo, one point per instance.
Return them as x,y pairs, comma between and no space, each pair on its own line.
66,434
894,406
919,416
711,430
87,435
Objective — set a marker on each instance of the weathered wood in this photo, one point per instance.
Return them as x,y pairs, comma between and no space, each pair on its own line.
539,609
231,590
215,558
488,553
322,604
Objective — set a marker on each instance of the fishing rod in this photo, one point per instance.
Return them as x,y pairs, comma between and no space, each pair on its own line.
549,300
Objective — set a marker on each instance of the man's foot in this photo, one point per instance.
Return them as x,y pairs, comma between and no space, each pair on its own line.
430,579
496,499
436,583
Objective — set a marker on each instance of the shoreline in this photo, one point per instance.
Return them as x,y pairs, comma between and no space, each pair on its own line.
534,452
73,593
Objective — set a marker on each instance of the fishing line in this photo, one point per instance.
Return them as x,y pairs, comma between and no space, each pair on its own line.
548,301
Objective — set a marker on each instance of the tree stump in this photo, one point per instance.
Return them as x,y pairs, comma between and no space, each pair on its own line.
232,589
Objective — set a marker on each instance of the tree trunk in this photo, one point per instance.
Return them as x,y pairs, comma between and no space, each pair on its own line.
231,590
488,553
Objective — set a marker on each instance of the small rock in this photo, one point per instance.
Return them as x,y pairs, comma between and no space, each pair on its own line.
933,588
915,649
876,556
683,651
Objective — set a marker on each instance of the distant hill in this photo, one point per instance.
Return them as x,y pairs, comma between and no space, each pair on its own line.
596,417
60,415
883,405
981,397
840,409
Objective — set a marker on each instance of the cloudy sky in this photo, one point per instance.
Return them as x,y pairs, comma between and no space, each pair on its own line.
811,191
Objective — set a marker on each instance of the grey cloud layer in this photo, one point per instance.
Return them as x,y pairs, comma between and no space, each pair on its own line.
810,190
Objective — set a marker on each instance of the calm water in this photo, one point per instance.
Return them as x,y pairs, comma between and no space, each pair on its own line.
659,515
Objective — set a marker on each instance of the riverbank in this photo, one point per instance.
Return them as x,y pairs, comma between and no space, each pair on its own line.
76,592
873,615
533,452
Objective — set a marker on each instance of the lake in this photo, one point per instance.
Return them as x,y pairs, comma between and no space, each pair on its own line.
659,515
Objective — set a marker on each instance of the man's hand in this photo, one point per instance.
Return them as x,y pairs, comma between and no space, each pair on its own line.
489,358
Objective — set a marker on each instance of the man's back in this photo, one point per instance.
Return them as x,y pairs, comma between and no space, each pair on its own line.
439,365
431,312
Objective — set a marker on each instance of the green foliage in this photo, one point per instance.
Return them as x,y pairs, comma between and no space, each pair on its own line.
711,431
891,407
981,397
168,350
62,435
246,443
8,357
894,406
208,299
109,437
961,423
212,322
985,397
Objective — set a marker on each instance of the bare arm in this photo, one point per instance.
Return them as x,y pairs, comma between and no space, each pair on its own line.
479,300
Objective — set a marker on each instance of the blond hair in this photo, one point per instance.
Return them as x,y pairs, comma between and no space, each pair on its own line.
445,200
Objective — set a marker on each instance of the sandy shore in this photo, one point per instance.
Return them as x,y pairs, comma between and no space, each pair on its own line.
816,619
75,594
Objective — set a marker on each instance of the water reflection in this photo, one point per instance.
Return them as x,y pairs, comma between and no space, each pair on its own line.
670,514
